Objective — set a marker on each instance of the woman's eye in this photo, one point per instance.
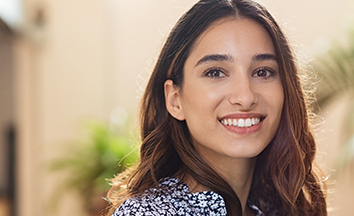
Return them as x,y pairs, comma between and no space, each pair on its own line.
264,73
214,73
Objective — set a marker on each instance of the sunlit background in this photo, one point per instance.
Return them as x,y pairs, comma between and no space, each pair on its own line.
72,73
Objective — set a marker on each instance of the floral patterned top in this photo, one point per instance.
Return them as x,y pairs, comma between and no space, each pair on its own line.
173,198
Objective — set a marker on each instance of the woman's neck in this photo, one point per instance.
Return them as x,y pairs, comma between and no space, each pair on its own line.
238,173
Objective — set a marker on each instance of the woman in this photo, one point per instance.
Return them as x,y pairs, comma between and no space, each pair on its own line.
224,122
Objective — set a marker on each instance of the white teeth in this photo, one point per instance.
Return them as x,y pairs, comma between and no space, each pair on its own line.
229,121
241,122
248,122
256,121
234,122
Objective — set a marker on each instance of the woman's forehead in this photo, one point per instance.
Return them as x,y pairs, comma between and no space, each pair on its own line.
238,38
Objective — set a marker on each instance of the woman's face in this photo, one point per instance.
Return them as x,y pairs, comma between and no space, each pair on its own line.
232,96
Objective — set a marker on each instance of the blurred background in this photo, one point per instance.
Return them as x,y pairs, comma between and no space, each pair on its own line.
72,73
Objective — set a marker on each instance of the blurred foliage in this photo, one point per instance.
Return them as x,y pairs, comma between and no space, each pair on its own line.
89,164
335,71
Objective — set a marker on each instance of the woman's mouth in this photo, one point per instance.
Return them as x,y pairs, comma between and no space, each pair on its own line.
241,122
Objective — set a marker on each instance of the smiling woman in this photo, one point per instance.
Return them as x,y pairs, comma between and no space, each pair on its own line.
236,87
224,124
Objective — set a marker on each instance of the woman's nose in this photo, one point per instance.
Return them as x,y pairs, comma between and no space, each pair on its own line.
242,93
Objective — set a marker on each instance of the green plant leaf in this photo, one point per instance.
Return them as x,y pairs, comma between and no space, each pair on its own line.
335,71
89,163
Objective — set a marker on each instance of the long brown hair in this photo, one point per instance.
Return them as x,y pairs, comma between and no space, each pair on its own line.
284,181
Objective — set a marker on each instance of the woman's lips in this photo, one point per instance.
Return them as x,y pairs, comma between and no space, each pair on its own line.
242,124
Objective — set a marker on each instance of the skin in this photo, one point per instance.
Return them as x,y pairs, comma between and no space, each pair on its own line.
232,73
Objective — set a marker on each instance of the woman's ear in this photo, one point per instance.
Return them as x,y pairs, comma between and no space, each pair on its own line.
173,102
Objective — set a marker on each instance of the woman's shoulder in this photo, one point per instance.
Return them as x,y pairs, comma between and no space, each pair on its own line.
145,205
173,197
155,201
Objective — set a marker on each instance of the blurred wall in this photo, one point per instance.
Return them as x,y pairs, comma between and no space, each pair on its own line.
6,104
79,59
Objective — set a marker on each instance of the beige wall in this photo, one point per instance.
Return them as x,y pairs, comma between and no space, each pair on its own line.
6,102
92,56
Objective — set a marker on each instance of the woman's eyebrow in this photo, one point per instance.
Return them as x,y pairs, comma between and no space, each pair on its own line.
214,57
225,57
264,57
